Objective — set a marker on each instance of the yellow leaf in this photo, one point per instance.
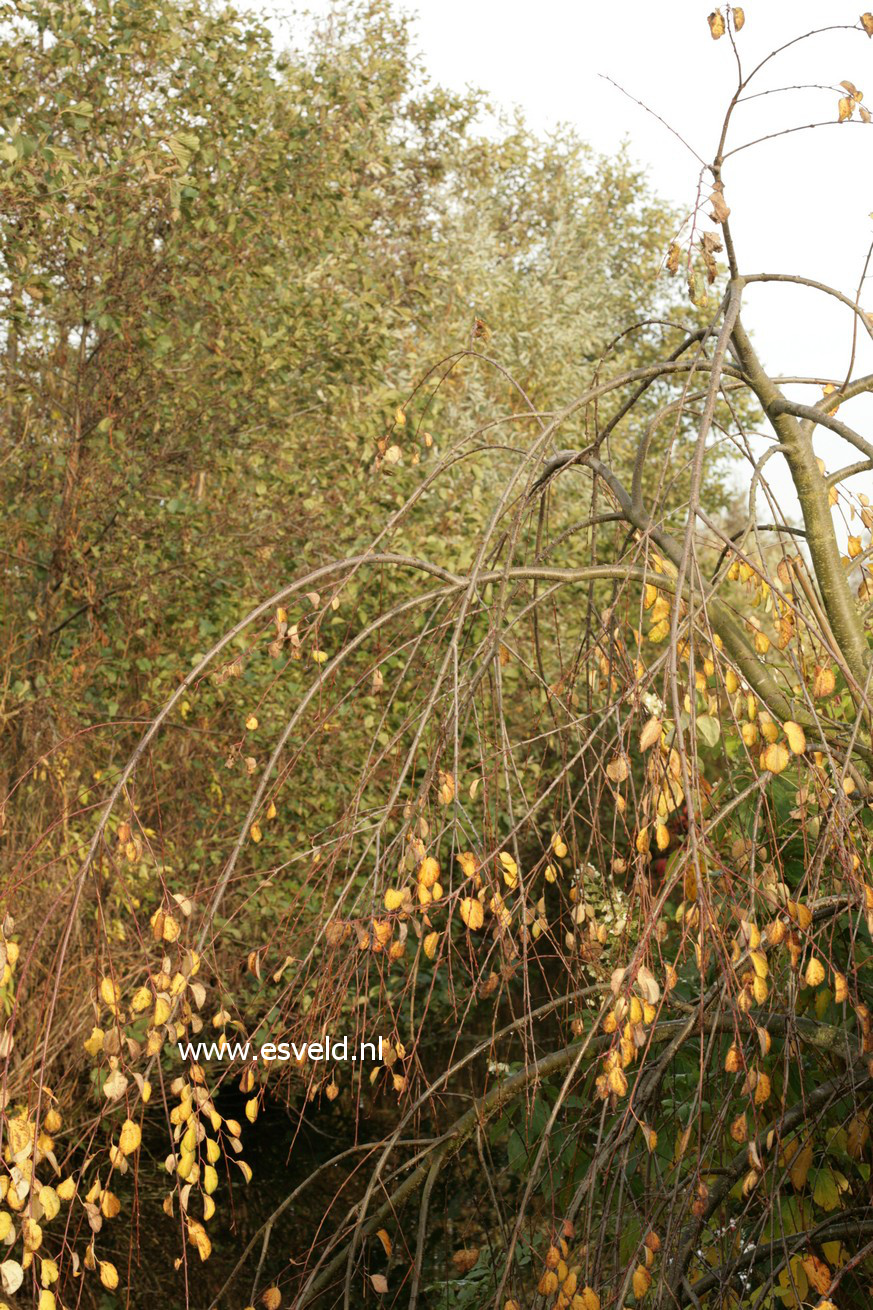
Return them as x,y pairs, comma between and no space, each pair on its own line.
841,988
109,992
255,832
617,1082
472,913
252,723
590,1299
854,547
739,19
650,734
394,898
467,861
428,871
48,1272
775,758
510,869
50,1202
162,1011
815,973
199,1238
430,944
271,1299
762,1089
642,1279
385,1239
142,999
867,23
616,769
400,418
252,1109
210,1179
759,963
716,24
845,109
108,1275
446,788
796,737
559,846
46,1300
130,1138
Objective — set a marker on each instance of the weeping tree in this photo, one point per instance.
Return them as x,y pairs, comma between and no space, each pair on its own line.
600,884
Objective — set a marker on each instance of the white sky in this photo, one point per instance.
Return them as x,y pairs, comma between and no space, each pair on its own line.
800,204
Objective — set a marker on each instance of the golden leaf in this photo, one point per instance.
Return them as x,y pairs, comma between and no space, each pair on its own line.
109,993
130,1138
210,1179
739,19
472,913
428,871
271,1299
616,769
867,23
50,1202
385,1239
762,1089
841,988
716,24
775,758
252,723
642,1279
394,898
796,737
162,1011
446,787
845,109
252,1109
559,846
617,1082
510,869
467,861
759,963
430,944
815,972
650,734
800,1165
255,832
108,1275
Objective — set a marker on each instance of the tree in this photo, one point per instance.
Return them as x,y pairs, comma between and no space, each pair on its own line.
599,879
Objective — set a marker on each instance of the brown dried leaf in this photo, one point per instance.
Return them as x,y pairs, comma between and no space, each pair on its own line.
465,1259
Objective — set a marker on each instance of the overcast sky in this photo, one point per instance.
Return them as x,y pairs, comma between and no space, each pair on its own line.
801,204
